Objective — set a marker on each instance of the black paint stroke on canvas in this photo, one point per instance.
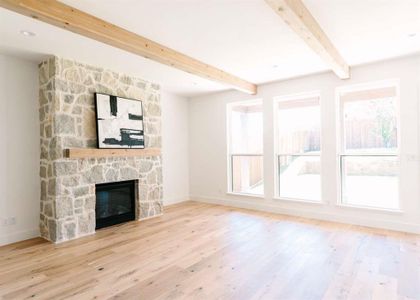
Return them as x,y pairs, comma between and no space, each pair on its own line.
128,138
120,122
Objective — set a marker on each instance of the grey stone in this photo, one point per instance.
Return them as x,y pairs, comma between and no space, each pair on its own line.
66,63
48,131
80,191
70,181
48,210
70,230
50,170
91,143
78,203
85,99
101,160
125,79
64,124
52,188
147,210
69,99
52,230
54,150
60,85
145,166
98,70
76,88
103,89
89,124
42,114
43,99
43,190
111,175
159,174
152,178
44,153
86,223
77,110
95,175
154,194
152,128
157,207
129,173
72,74
142,192
97,76
72,142
65,168
90,202
88,81
43,172
141,84
64,207
43,73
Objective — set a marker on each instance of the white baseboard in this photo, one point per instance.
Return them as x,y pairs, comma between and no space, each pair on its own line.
307,213
18,236
167,202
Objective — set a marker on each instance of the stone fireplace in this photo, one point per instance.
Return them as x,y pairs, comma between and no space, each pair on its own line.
67,120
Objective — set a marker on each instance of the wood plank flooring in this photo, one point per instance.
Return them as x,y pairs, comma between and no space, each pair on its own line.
203,251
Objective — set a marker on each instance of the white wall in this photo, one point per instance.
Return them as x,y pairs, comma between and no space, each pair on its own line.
19,149
175,148
208,149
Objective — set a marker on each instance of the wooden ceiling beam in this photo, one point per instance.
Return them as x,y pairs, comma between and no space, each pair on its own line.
72,19
299,18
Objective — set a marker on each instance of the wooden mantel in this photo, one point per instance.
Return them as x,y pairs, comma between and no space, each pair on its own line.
94,153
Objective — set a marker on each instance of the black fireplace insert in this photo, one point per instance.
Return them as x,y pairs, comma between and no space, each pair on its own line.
114,203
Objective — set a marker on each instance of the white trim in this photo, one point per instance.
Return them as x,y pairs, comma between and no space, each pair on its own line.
331,217
371,208
171,201
19,236
245,195
299,200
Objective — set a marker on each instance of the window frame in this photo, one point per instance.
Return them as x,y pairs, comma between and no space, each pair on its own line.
230,154
341,151
286,98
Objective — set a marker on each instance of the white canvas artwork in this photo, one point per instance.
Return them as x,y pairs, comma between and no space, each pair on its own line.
119,122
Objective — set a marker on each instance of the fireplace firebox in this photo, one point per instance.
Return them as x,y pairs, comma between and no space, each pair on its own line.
115,203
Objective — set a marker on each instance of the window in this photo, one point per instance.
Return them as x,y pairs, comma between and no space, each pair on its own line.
298,147
368,157
245,140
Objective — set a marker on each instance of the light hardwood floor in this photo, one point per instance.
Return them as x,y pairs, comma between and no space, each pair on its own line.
203,251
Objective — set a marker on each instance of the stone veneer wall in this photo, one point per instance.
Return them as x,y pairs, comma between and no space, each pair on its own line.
67,120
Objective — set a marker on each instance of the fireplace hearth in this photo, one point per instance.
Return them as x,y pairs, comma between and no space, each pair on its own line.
115,203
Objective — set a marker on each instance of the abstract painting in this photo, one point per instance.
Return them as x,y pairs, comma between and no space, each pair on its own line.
119,122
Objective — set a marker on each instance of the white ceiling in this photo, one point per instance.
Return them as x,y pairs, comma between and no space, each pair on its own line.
243,37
